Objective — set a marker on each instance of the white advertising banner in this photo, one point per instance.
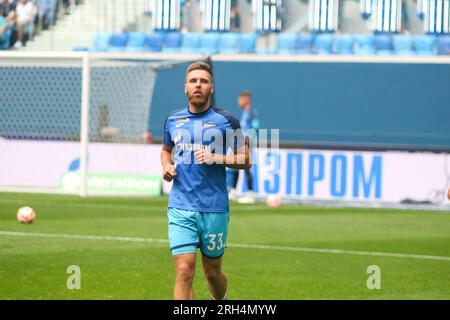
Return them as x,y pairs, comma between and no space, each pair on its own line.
390,177
53,165
351,175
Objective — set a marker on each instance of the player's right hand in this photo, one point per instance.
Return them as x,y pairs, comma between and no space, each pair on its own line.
169,172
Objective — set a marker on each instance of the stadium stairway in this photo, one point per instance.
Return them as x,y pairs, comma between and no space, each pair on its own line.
79,28
245,10
350,20
297,15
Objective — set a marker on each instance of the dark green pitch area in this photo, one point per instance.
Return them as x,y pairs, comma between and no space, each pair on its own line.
292,252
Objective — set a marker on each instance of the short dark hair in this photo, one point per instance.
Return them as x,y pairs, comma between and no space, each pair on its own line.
199,65
245,94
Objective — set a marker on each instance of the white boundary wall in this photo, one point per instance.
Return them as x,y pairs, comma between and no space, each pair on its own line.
348,177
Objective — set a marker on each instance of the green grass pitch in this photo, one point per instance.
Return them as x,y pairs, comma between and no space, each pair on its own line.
110,240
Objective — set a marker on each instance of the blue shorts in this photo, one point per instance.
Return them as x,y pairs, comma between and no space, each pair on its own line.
189,230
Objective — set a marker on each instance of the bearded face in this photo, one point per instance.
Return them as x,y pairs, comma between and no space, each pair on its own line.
198,98
198,88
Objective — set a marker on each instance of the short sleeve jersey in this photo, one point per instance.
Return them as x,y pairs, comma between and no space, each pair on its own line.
200,187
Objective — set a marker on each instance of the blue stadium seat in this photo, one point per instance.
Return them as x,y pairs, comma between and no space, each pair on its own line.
229,43
345,44
209,43
118,42
364,45
304,43
286,43
383,44
424,45
190,42
403,45
443,45
101,41
154,41
80,49
136,42
323,43
247,42
172,43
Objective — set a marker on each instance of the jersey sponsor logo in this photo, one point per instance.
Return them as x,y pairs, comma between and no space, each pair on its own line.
182,119
208,124
193,147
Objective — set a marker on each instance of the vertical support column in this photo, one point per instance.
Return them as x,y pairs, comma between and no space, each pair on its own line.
84,125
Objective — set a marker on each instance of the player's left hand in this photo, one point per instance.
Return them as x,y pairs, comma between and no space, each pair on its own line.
203,156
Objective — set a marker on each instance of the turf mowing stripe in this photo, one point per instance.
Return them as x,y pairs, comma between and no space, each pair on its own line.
307,204
233,245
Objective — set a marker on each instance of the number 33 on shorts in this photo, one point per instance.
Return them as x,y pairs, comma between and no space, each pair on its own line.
213,231
215,243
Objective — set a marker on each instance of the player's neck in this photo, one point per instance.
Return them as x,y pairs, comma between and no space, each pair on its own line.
199,109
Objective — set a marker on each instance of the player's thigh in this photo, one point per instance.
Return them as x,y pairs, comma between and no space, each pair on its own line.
183,231
213,234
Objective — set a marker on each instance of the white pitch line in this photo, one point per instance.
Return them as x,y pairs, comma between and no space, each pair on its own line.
233,245
80,237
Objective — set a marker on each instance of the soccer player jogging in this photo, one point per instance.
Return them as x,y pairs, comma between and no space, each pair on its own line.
194,157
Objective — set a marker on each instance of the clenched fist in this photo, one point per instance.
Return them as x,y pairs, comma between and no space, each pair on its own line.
169,172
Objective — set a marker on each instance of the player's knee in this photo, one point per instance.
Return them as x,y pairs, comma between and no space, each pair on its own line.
185,272
212,273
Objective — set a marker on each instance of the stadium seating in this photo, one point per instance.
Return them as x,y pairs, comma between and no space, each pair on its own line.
286,43
247,42
424,45
118,42
81,49
190,42
136,42
364,45
443,45
383,44
229,43
154,42
172,43
101,41
209,43
403,45
304,43
323,43
345,44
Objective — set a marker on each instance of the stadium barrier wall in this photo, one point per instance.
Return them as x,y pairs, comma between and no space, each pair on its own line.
54,166
375,178
338,101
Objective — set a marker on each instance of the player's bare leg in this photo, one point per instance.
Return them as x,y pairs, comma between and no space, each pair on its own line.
184,276
217,279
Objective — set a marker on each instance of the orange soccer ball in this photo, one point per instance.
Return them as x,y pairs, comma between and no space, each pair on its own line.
448,194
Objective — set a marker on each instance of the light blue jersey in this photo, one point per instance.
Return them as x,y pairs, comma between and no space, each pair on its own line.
200,187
